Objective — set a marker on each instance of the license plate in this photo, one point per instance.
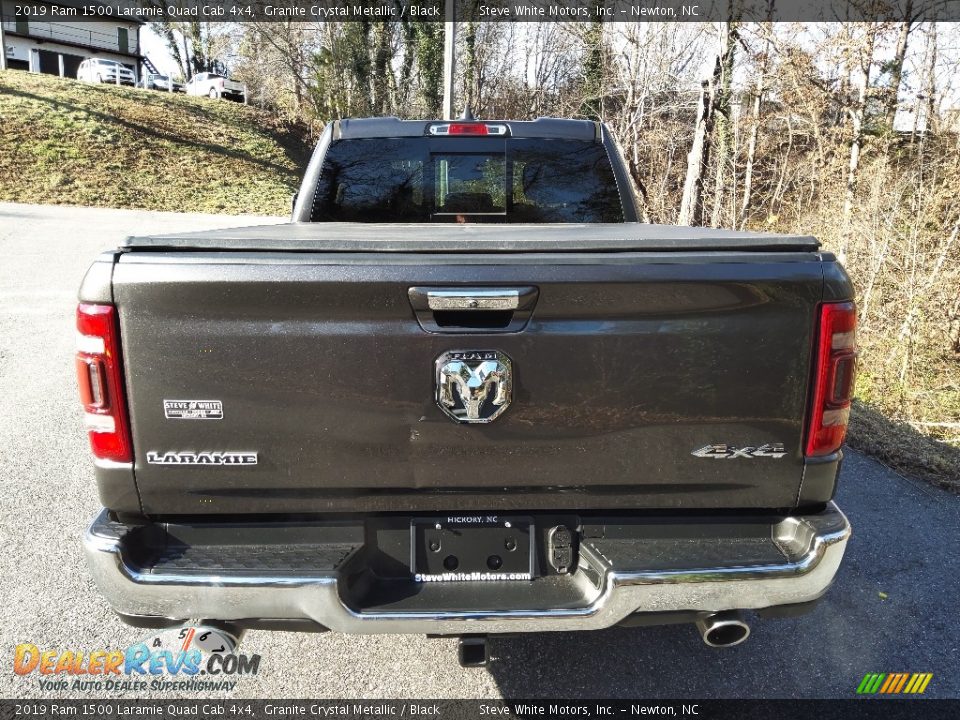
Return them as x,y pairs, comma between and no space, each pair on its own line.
471,548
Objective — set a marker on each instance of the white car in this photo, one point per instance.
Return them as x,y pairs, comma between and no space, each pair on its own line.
215,86
100,70
156,81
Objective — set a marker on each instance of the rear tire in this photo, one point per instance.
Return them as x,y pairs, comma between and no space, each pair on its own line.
213,94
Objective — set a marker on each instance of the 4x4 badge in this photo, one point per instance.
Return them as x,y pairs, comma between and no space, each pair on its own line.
474,386
729,452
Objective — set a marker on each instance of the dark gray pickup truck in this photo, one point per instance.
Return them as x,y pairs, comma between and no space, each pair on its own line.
465,392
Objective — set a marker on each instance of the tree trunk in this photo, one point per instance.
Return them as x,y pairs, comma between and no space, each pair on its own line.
751,154
406,70
187,59
691,204
169,35
931,82
430,65
470,66
846,69
360,55
722,122
764,62
857,114
592,105
198,54
637,178
382,52
896,65
698,160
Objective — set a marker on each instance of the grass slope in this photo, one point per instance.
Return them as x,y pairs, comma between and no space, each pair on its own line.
65,142
904,449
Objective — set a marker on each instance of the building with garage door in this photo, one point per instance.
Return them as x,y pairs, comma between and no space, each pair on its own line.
55,42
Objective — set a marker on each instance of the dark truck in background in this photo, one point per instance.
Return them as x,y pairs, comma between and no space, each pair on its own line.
465,392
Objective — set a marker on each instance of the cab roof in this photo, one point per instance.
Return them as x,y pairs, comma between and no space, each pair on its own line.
387,127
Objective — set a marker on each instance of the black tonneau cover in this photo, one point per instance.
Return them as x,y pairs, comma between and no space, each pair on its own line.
452,238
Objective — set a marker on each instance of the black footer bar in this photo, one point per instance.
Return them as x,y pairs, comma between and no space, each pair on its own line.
226,708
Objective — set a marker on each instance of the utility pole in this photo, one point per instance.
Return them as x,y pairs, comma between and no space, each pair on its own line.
449,55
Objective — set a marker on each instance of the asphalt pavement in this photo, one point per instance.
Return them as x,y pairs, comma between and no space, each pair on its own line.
893,608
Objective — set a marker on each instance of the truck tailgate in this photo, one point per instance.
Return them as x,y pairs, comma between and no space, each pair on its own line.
629,363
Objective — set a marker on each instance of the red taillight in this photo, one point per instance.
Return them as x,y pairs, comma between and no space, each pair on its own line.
101,382
467,129
835,355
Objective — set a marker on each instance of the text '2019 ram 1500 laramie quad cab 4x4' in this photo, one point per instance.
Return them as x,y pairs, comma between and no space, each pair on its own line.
465,392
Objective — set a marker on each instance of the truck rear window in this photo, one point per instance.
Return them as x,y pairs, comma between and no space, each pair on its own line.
513,180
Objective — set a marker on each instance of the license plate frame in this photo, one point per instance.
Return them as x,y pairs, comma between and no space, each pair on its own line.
472,540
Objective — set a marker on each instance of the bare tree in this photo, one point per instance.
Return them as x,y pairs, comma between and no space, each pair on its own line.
698,160
723,121
762,63
857,113
895,66
799,157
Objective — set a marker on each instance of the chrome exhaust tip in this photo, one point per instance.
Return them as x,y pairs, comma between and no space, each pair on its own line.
228,634
724,629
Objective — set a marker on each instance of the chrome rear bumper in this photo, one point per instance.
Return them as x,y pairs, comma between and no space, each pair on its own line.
608,587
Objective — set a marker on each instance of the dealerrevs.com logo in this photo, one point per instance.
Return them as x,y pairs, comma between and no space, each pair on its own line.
198,659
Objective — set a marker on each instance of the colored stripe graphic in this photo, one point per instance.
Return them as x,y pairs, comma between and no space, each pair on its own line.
903,680
891,682
871,683
894,683
927,677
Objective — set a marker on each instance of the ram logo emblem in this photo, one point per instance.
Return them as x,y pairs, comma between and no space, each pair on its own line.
474,386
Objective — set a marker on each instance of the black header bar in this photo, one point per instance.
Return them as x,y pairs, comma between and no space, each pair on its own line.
487,10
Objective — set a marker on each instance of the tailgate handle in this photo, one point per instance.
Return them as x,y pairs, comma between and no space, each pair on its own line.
473,299
473,309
